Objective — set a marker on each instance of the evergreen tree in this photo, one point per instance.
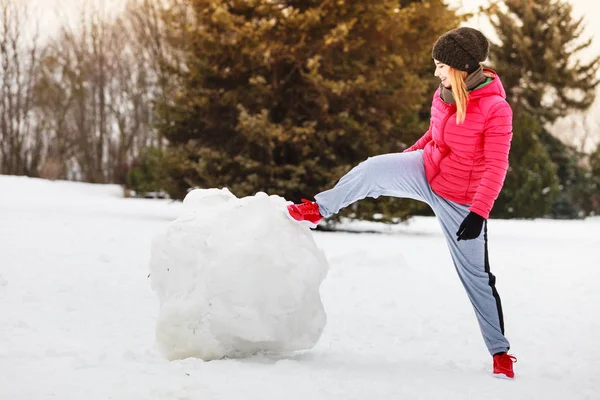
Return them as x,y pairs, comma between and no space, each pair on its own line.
286,96
595,177
538,58
578,183
531,183
595,162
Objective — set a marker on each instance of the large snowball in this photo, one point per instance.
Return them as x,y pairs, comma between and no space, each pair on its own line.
236,276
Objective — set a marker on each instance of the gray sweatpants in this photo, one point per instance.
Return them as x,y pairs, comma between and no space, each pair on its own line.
403,175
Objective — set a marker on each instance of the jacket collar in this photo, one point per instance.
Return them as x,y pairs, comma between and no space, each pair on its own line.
494,88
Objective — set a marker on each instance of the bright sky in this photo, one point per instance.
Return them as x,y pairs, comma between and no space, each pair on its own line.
51,12
581,7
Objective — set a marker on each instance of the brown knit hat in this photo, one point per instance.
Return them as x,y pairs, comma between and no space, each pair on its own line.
462,49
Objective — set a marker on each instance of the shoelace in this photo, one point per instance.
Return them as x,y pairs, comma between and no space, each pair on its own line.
504,359
309,207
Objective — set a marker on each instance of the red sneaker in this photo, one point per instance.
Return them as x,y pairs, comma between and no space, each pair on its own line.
306,213
503,366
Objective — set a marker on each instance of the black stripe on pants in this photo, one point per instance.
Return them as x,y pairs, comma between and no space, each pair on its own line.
492,281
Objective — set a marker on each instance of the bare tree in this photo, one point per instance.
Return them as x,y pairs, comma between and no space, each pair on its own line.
130,106
55,102
21,142
82,105
145,21
98,84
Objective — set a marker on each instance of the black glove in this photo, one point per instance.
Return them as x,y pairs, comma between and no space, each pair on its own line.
470,227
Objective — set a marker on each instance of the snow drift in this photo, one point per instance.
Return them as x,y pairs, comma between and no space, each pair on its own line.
235,276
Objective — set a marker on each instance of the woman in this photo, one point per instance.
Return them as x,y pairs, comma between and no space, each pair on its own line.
458,168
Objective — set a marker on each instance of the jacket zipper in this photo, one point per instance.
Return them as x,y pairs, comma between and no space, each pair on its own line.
442,132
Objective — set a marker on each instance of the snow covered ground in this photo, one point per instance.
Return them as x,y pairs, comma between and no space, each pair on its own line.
77,313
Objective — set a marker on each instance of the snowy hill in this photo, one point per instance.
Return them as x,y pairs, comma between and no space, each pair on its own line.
78,314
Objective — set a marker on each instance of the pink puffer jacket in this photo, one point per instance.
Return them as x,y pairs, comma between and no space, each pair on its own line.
467,163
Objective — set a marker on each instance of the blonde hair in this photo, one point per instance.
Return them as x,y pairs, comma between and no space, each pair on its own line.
459,92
